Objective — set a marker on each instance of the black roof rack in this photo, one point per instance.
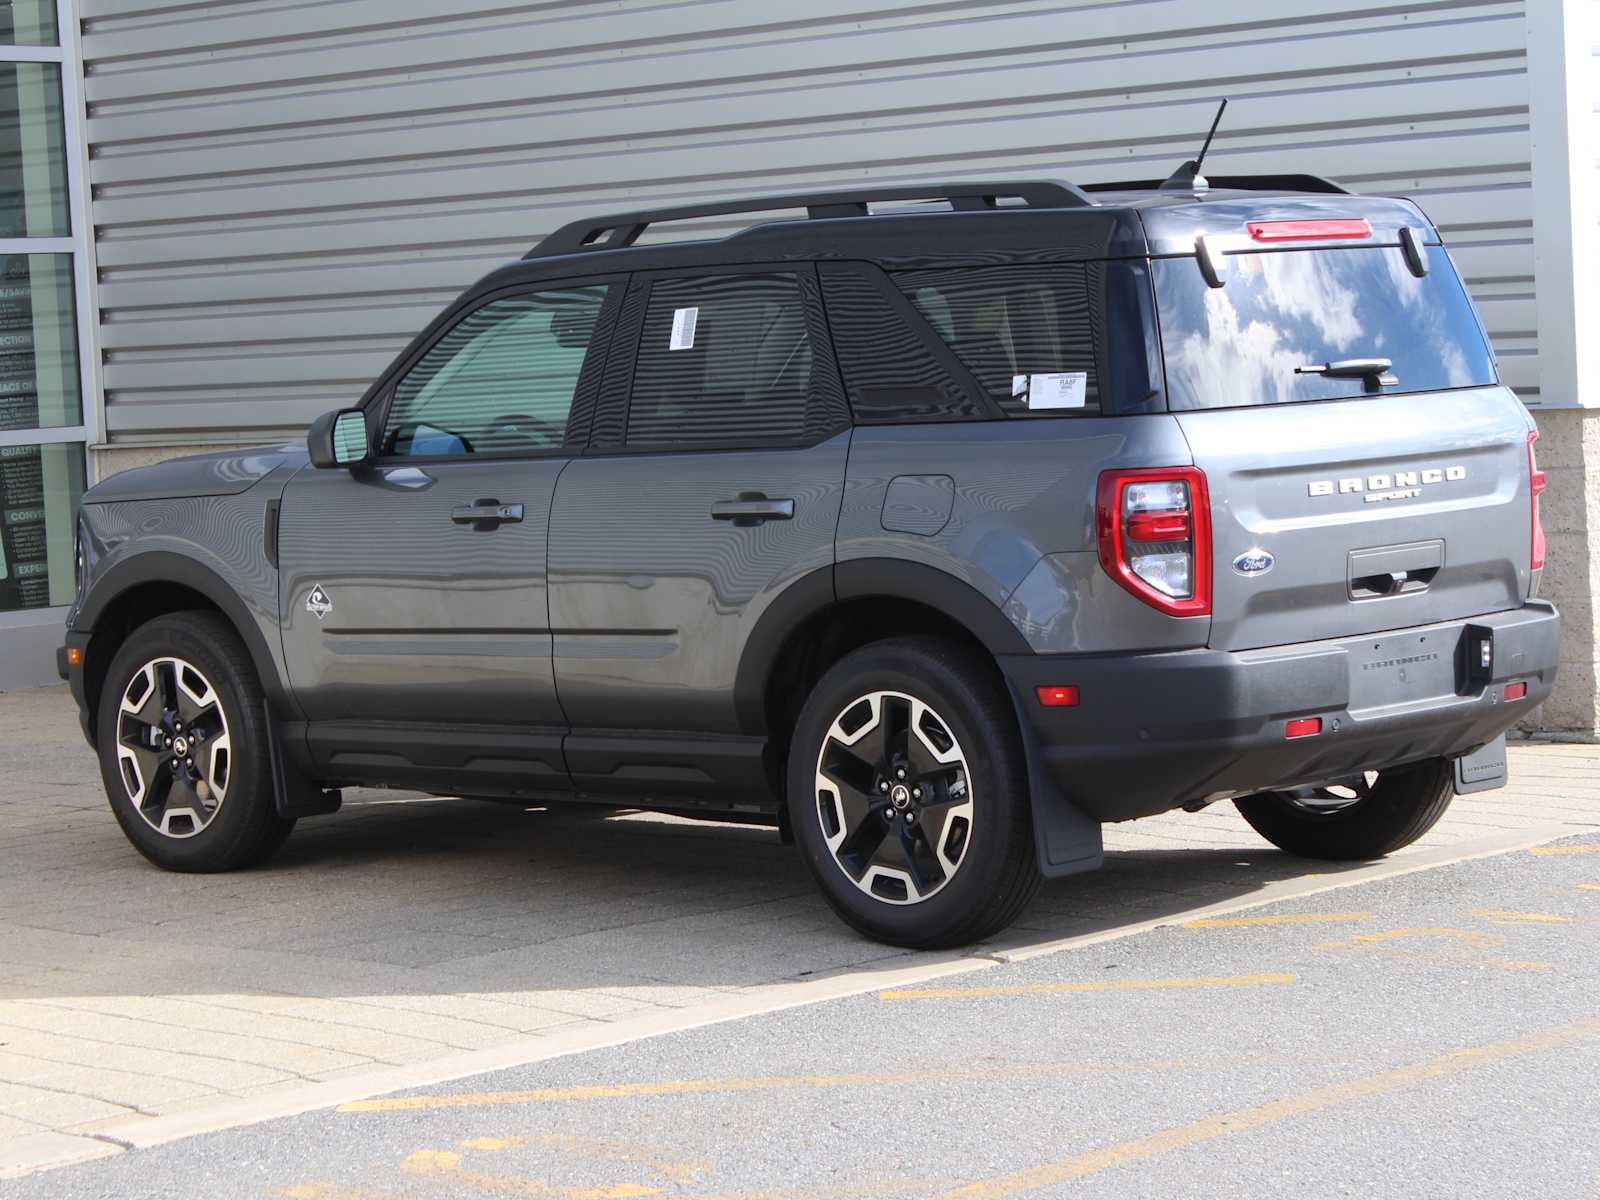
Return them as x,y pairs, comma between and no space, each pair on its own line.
1242,183
613,231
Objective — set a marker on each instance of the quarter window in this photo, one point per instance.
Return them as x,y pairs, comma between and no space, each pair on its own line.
1024,332
500,382
722,359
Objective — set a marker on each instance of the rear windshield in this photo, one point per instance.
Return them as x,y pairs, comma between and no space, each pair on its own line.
1239,344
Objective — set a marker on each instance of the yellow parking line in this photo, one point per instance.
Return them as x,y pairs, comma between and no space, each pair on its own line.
1211,1128
1500,917
1593,848
614,1150
1589,887
1099,985
446,1164
1288,919
1466,935
758,1083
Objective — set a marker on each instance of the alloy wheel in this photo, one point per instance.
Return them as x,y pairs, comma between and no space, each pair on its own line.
894,797
174,749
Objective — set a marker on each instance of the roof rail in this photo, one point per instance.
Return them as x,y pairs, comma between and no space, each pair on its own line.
616,230
1242,183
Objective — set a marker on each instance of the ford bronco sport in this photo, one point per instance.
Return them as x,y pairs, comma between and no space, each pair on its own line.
938,535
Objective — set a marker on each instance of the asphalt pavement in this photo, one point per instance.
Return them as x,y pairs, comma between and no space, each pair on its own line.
1431,1034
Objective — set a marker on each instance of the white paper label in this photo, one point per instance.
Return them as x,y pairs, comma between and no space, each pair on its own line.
683,323
1067,389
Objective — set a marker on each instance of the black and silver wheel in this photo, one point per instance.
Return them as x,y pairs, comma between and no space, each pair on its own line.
908,794
174,747
183,749
894,797
1365,816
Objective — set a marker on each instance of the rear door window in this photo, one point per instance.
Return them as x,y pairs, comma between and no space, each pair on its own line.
722,359
1239,344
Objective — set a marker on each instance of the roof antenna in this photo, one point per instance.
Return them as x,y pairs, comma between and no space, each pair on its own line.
1187,178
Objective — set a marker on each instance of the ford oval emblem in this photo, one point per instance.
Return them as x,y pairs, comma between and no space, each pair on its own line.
1254,562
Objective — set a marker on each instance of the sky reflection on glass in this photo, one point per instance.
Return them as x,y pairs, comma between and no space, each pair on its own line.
1239,344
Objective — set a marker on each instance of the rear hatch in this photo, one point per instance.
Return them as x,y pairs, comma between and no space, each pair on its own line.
1362,498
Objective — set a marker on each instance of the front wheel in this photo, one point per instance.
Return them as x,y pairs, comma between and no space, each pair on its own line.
183,747
908,796
1365,816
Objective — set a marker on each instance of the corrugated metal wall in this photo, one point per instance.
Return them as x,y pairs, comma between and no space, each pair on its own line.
284,192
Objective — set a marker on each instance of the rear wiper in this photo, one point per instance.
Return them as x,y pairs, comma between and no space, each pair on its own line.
1375,370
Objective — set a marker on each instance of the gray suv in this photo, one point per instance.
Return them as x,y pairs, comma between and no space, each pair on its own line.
938,533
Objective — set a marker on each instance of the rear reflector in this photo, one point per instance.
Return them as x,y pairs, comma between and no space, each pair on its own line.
1057,697
1516,691
1302,727
1308,231
1537,482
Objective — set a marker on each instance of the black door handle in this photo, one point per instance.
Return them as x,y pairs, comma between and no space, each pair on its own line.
752,508
486,514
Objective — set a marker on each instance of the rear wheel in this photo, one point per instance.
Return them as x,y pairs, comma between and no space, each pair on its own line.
183,749
1365,816
908,795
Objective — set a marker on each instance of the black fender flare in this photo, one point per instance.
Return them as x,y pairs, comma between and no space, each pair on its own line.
860,579
164,566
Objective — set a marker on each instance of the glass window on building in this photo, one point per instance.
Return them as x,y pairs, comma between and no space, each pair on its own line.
43,431
27,22
38,343
33,168
39,491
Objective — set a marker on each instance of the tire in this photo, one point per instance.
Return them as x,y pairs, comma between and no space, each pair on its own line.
880,872
1380,812
220,813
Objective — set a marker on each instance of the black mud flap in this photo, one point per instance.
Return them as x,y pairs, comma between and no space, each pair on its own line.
295,793
1067,839
1483,770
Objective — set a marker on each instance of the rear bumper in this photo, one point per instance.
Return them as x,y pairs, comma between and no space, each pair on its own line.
1153,732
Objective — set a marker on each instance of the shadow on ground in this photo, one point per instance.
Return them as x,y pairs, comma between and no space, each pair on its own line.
394,895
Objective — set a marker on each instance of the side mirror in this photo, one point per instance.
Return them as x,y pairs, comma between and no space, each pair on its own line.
339,439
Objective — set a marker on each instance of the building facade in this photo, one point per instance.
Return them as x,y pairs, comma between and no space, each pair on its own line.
280,194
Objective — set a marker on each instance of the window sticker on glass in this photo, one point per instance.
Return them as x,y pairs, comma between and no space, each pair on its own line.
1063,389
683,323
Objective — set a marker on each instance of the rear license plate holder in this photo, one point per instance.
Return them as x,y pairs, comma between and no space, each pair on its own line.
1391,669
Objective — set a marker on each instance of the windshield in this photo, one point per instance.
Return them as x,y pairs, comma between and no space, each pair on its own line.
1239,344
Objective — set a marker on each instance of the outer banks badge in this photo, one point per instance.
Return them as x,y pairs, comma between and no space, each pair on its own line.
318,604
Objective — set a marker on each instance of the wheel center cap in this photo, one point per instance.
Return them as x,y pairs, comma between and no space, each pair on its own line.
900,797
180,746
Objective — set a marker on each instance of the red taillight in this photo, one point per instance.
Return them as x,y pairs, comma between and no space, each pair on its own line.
1158,527
1057,697
1516,691
1308,231
1302,727
1154,530
1536,485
